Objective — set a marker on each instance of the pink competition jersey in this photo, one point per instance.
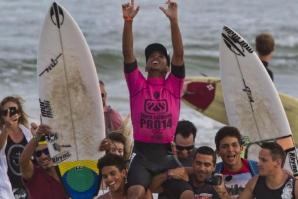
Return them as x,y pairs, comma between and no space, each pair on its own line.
155,106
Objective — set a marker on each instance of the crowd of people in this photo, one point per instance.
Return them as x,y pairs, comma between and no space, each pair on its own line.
164,158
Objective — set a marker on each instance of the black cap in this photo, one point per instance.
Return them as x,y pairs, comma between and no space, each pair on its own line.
157,47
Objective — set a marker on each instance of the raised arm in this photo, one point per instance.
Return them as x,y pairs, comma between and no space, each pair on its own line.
172,13
26,165
127,39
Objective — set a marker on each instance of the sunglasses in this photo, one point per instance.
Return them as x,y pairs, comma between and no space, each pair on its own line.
187,148
12,109
44,151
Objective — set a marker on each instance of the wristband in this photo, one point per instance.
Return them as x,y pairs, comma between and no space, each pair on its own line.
167,173
36,137
223,193
127,18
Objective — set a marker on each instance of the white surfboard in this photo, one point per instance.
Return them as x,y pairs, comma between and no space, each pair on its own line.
70,101
251,100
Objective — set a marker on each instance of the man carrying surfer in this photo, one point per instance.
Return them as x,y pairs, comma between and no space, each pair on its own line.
203,164
155,106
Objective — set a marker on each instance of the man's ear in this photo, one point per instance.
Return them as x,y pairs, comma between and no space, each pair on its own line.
241,148
146,69
123,172
278,162
168,68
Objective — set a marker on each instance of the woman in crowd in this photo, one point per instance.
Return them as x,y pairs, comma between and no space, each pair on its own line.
15,134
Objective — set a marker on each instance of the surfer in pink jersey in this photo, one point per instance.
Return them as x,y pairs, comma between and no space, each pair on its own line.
155,106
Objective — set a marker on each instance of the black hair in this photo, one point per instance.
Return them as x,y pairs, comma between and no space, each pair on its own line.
185,128
112,160
276,151
206,150
227,131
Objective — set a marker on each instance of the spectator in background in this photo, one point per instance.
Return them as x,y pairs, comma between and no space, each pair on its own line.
113,119
264,48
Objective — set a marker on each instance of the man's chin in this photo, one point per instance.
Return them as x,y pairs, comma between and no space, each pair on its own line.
182,157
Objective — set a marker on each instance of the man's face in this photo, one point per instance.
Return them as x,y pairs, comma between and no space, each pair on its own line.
157,62
184,146
113,178
44,160
116,148
266,164
203,167
230,151
103,94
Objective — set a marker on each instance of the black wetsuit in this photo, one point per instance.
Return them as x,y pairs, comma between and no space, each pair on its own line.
268,70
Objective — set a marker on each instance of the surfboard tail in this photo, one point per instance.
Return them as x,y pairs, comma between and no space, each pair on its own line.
80,178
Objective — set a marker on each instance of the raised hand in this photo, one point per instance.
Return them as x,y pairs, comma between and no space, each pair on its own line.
128,9
105,145
10,121
172,11
43,129
34,128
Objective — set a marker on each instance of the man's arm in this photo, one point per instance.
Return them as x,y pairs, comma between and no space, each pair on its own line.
157,180
26,165
172,14
127,39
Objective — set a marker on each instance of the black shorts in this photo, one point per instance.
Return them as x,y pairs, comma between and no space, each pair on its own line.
151,159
